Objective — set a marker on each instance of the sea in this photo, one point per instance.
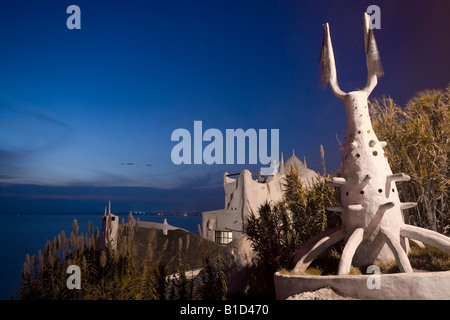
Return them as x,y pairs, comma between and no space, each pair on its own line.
27,233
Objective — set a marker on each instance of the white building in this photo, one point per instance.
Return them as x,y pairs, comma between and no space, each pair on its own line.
245,194
110,225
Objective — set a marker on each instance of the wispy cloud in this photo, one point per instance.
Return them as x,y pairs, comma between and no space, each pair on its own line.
135,164
20,124
25,135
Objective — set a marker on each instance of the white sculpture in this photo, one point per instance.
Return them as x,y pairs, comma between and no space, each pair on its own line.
371,209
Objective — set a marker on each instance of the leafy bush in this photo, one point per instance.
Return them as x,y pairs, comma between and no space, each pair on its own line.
280,229
213,284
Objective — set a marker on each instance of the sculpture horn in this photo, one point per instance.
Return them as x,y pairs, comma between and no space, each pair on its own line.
373,60
328,65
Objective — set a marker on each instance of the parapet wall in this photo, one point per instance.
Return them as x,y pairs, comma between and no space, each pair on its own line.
398,286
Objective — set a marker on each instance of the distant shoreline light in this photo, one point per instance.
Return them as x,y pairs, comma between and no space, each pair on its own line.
91,213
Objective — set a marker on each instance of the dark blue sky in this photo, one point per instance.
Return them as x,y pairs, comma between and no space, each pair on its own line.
87,115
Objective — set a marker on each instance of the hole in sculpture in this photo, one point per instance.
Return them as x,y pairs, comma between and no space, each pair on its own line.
371,143
375,153
346,193
357,155
380,190
362,192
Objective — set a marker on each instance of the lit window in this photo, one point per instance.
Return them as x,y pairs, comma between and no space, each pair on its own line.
224,237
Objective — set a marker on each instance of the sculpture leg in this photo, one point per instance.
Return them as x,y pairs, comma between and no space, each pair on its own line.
405,244
308,244
400,255
369,250
317,249
418,243
432,238
349,251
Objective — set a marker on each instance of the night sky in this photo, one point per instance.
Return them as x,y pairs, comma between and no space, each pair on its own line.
86,116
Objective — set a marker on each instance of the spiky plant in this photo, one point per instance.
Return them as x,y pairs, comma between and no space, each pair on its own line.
213,284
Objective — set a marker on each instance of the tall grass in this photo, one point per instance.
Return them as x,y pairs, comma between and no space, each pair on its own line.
108,274
418,138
